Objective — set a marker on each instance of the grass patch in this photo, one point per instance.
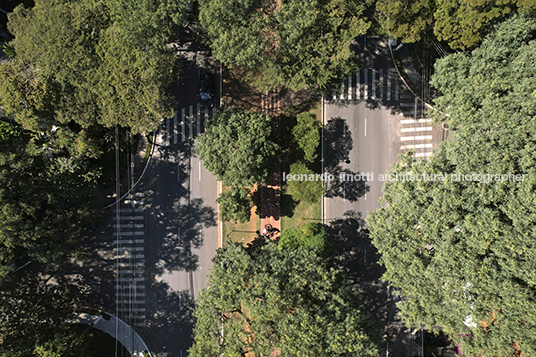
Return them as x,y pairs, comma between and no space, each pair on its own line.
241,232
304,212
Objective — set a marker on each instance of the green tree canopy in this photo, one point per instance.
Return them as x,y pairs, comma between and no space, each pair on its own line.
237,147
306,135
298,43
235,204
45,196
462,250
307,235
33,311
461,23
278,301
87,68
307,186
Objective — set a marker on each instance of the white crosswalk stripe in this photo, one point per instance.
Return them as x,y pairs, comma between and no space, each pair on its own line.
379,84
129,247
407,130
417,146
413,138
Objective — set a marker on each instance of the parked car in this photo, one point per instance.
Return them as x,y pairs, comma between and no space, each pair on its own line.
206,97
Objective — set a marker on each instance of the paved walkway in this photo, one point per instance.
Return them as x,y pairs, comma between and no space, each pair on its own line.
271,193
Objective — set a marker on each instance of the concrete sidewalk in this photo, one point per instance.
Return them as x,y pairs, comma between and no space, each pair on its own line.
117,329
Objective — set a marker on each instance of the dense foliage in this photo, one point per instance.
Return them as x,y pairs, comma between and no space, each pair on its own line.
33,312
296,43
307,235
237,147
46,186
461,23
462,250
235,204
274,301
87,62
306,135
303,184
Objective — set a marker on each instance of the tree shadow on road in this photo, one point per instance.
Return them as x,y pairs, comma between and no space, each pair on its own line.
170,321
355,255
338,144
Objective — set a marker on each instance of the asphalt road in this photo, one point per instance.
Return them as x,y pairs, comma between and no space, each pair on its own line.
181,221
367,124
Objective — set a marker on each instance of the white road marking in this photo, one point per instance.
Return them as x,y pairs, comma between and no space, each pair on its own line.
191,114
424,128
365,83
423,154
198,119
373,83
409,138
381,83
350,87
388,85
175,127
183,124
357,86
417,146
413,121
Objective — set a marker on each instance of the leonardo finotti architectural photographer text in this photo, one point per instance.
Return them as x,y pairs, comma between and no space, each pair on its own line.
406,176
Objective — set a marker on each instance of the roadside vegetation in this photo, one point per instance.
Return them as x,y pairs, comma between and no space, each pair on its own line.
268,301
461,252
76,70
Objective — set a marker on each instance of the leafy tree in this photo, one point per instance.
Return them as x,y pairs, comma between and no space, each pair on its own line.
308,187
132,83
298,43
33,311
274,301
306,135
26,95
45,197
235,204
87,66
308,235
237,147
149,23
405,20
461,250
461,23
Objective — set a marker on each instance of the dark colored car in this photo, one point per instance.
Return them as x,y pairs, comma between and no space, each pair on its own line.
206,97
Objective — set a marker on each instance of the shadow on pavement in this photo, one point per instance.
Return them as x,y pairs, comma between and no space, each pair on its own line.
170,328
358,258
338,144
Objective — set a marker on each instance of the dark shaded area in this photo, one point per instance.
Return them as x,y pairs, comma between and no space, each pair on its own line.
354,254
173,317
342,182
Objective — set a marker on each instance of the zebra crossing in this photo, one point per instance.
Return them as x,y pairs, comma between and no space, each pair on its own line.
186,123
416,130
368,84
129,249
382,84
